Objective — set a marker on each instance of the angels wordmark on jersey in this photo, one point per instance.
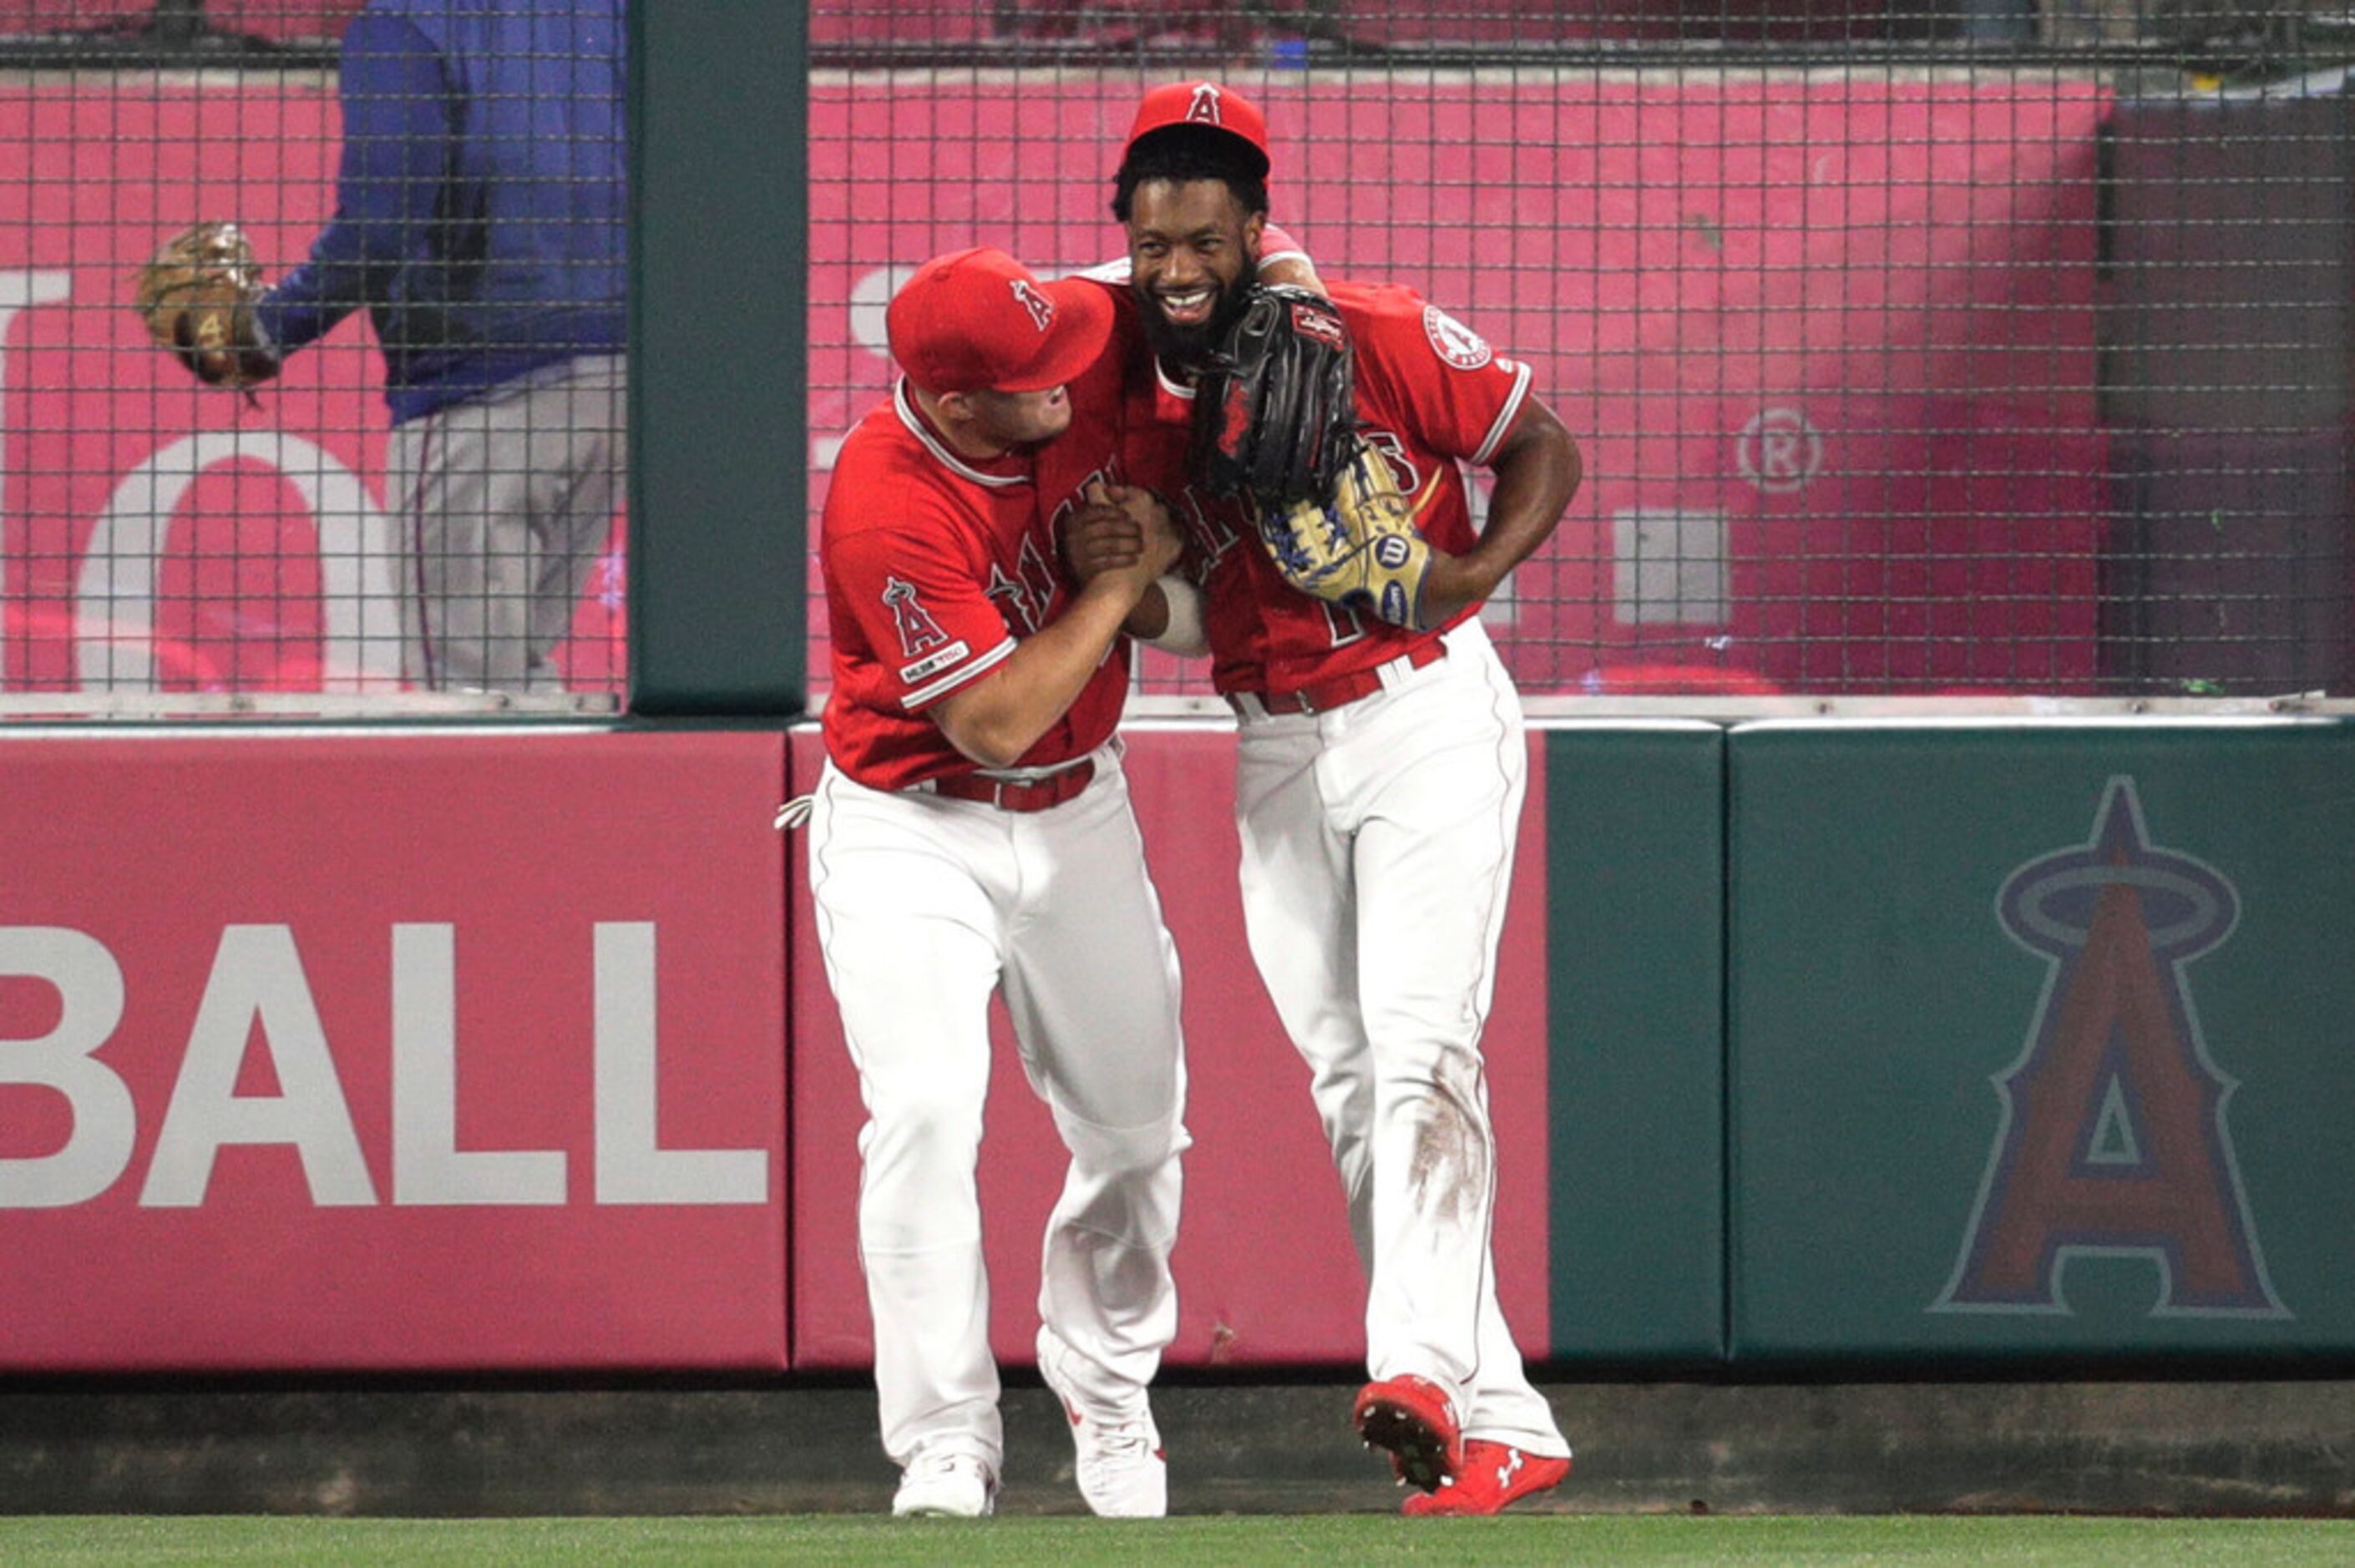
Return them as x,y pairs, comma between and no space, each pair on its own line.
1024,597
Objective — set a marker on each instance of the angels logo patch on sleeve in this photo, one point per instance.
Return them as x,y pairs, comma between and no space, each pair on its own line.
921,641
1454,342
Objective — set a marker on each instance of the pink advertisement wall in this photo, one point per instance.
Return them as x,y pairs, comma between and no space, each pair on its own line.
391,1050
433,1052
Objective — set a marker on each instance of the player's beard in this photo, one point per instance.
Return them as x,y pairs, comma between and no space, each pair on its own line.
1190,350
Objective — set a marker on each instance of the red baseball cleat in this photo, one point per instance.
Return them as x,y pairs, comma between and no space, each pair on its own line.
1495,1476
1411,1417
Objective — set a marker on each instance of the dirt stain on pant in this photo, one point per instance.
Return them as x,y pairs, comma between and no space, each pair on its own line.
1447,1176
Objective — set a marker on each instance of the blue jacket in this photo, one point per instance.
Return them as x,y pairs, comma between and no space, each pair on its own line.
481,203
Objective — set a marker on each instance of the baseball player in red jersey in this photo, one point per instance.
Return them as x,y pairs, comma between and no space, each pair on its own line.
971,832
1380,775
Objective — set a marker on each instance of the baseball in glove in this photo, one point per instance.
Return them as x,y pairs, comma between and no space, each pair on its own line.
196,294
1360,549
1275,418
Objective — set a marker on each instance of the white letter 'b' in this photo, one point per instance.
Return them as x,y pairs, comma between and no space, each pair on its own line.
105,1124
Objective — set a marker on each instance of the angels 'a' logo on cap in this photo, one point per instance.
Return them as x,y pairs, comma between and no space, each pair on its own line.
1042,308
1205,107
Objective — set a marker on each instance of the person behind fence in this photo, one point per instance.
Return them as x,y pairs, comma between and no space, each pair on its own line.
1383,755
480,208
971,832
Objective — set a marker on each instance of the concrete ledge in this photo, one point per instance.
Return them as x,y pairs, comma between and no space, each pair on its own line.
2277,1447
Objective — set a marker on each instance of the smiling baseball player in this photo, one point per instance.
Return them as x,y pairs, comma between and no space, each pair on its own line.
1382,762
971,833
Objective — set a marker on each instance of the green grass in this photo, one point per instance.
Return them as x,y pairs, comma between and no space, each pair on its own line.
1325,1539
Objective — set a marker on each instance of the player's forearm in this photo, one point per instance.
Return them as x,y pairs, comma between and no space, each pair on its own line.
1006,713
1170,618
1150,618
1538,472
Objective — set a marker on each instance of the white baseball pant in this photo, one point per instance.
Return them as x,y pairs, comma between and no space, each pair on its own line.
507,502
924,907
1377,857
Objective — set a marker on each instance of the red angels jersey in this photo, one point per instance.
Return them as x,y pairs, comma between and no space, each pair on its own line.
1090,449
1430,393
934,566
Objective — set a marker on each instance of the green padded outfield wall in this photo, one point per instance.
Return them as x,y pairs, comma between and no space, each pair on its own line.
718,476
2043,1041
1635,884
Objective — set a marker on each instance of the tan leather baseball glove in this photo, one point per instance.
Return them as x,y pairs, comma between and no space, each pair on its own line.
196,294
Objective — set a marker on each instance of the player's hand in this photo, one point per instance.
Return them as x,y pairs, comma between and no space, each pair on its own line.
1162,543
1100,536
1123,532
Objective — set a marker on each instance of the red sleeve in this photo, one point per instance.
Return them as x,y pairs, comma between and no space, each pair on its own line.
919,607
1414,357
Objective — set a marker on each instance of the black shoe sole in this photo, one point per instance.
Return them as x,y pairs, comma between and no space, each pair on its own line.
1417,1452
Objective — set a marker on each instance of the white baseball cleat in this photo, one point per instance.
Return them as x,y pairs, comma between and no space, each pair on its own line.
946,1486
1122,1469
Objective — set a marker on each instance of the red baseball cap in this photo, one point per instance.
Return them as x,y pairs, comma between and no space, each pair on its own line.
1204,103
979,320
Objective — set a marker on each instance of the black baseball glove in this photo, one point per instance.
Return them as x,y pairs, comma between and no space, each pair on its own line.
1275,418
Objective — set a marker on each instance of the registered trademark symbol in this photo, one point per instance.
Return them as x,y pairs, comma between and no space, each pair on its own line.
1778,451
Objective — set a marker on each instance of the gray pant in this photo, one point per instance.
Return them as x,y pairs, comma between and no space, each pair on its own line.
504,504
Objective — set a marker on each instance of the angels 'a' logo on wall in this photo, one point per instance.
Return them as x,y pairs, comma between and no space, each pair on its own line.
919,632
2112,1141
